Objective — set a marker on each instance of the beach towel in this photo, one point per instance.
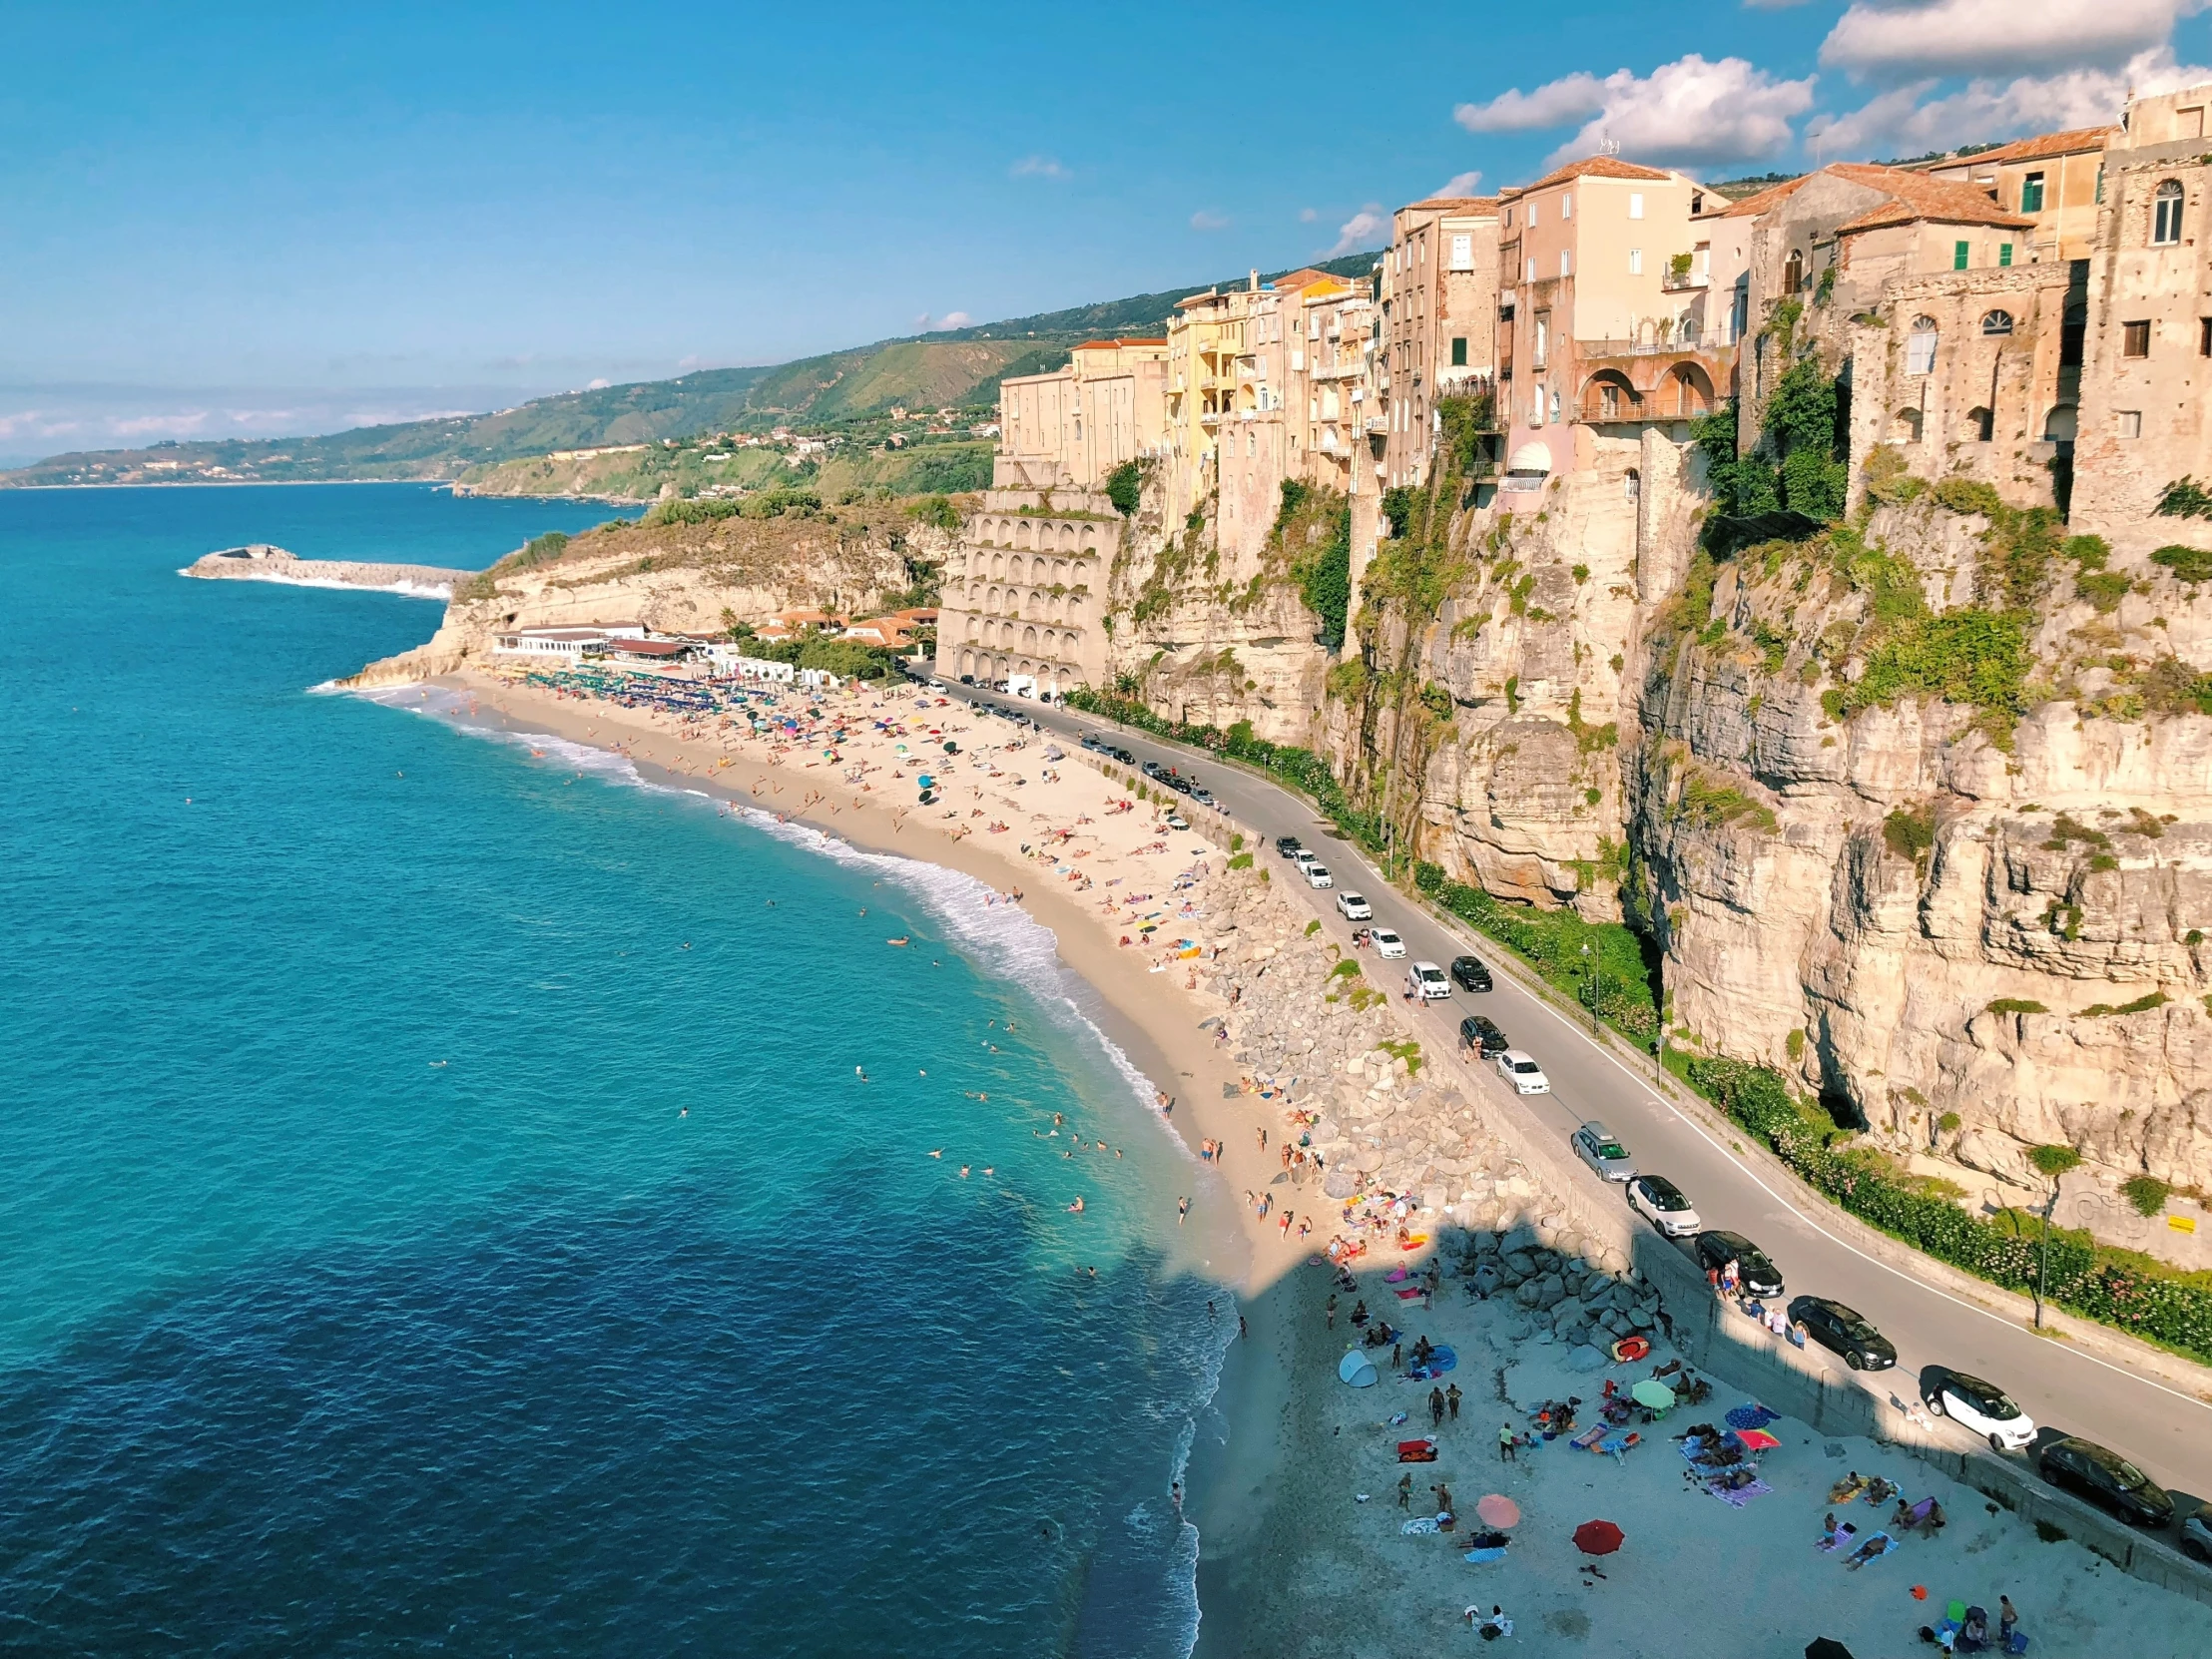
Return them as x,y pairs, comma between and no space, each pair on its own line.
1410,1293
1487,1553
1419,1525
1842,1536
1873,1550
1620,1444
1587,1440
1416,1451
1395,1275
1752,1417
1740,1495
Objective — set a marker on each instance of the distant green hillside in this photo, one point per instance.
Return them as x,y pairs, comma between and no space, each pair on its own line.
959,368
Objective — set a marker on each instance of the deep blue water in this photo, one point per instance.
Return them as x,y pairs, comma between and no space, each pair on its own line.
365,1286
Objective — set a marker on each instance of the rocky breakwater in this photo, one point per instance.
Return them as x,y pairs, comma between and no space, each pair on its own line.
689,567
1395,1121
261,562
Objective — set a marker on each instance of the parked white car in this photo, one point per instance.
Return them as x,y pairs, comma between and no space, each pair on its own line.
1662,1203
1316,876
1385,942
1352,908
1305,857
1426,981
1981,1407
1518,1068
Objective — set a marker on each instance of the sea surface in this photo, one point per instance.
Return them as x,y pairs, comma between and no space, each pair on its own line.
443,1212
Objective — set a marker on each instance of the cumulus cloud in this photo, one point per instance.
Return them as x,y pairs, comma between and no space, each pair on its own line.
927,325
1206,219
1364,229
1914,39
168,426
1038,167
1907,120
601,383
1306,216
1684,113
1461,184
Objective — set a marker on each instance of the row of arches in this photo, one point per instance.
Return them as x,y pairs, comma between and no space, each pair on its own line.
1909,425
984,666
1000,567
1053,642
1684,393
1034,534
1036,603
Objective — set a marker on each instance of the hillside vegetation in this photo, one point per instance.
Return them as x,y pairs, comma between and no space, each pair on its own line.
961,368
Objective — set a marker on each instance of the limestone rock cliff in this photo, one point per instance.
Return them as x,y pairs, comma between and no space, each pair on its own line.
685,576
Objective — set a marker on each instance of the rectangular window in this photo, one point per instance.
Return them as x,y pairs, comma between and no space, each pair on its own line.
2005,252
2129,423
2204,336
1531,215
2189,123
1959,252
2135,339
1566,262
1462,252
2031,194
1458,351
1635,203
1566,206
1919,352
1543,336
1635,262
2101,181
1532,268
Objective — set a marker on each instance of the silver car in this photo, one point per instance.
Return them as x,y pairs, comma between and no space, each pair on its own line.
1598,1147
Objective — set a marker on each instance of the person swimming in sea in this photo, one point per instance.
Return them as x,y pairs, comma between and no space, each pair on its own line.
1076,1208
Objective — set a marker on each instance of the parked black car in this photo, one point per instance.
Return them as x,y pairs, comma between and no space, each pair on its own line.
1716,1249
1470,974
1285,845
1154,770
1846,1330
2106,1479
1484,1037
1123,756
1178,784
967,679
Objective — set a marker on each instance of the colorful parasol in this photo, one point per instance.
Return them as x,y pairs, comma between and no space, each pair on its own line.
1597,1537
1499,1510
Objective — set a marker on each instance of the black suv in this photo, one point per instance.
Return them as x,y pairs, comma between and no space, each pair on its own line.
1470,974
1716,1249
1285,845
2106,1479
1841,1329
1154,770
1482,1036
1121,755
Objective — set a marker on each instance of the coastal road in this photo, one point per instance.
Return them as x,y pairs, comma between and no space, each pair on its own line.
2167,1431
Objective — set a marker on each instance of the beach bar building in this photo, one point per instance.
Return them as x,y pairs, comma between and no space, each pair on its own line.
567,644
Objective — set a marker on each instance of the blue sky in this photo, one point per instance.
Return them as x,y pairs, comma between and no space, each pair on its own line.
287,217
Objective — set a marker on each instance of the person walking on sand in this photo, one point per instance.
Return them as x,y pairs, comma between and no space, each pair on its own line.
1505,1443
2007,1617
1436,1408
1405,1491
1451,1401
1331,1309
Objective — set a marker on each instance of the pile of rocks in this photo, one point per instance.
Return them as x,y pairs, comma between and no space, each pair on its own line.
1396,1120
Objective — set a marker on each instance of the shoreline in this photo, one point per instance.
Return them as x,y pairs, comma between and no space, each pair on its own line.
1236,1447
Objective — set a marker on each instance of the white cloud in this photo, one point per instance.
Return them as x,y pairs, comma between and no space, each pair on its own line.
1369,225
1306,216
927,325
168,426
1461,184
1914,39
1907,121
1685,113
1038,167
37,424
1553,103
1206,219
599,385
1771,5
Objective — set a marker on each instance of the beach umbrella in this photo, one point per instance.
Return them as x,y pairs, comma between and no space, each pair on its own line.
1757,1439
1597,1537
1652,1393
1497,1510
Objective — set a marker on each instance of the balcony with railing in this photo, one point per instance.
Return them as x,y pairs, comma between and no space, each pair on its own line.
1681,276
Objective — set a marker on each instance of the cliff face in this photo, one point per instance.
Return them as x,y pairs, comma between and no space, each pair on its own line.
682,577
1213,627
1918,810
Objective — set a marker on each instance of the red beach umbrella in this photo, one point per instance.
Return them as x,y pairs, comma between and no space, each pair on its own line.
1757,1439
1499,1510
1599,1538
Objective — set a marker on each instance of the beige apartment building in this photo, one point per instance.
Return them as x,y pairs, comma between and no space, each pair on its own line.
2056,179
2148,364
1070,428
1025,592
1602,323
1327,405
1438,298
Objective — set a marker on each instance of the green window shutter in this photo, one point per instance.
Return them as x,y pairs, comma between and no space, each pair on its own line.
2031,194
2005,252
1959,255
1458,351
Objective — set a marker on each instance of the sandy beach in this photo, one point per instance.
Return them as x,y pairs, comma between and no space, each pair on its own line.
1246,1019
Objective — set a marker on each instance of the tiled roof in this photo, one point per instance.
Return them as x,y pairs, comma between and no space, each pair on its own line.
1304,277
1764,200
2069,142
1453,204
1113,344
1915,195
1594,167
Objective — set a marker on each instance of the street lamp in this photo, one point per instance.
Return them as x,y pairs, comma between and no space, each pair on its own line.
1590,972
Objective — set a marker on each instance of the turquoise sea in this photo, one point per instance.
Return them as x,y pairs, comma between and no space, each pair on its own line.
442,1213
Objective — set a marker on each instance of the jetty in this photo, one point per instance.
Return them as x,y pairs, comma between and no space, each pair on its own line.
264,562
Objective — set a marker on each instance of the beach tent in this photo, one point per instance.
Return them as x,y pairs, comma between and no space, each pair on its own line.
1653,1393
1357,1369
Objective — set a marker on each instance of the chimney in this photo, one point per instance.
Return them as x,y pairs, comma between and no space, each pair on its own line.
1255,280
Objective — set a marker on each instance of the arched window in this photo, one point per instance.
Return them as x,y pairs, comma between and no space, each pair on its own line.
1633,486
1793,272
1997,323
1984,424
1905,426
2165,215
1920,347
